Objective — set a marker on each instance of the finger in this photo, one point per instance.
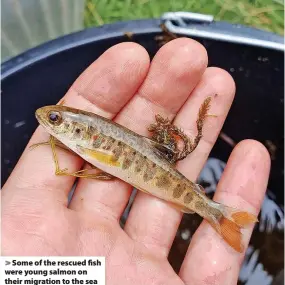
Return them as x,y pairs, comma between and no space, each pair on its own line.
158,224
114,77
243,185
174,72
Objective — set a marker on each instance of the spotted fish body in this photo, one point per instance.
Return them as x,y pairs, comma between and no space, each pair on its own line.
132,158
136,162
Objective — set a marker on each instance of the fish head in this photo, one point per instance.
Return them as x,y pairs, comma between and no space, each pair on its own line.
65,123
51,118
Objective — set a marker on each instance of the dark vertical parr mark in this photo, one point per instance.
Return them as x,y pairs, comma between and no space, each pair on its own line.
117,151
149,173
178,190
129,156
163,180
188,197
140,162
109,142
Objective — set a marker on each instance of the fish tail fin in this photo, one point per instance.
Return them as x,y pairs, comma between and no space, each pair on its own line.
229,225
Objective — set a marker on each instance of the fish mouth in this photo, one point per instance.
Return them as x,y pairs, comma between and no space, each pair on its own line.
37,114
40,116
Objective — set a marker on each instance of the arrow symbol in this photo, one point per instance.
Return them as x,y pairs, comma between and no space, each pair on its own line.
7,262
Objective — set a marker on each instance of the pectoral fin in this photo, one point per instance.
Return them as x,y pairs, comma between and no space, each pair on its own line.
86,173
103,176
56,143
106,158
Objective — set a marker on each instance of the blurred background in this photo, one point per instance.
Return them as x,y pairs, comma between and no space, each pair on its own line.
27,23
263,14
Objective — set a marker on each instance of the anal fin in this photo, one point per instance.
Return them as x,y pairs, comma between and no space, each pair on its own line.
86,173
56,143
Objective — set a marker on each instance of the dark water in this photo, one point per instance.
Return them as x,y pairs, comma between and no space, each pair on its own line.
264,260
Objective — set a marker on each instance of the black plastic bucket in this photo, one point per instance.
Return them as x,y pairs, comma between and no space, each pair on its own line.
42,75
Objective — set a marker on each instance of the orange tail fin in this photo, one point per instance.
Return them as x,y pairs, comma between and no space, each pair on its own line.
230,224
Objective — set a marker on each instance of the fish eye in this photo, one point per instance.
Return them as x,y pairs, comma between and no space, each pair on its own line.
54,117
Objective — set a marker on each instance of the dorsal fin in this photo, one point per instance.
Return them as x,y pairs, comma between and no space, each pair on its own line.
163,149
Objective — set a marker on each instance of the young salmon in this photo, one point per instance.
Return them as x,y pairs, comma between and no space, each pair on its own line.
138,161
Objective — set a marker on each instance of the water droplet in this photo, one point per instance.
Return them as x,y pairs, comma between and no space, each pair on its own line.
247,73
19,124
185,234
7,122
232,69
263,59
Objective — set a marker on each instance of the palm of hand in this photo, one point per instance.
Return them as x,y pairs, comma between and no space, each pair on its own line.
36,219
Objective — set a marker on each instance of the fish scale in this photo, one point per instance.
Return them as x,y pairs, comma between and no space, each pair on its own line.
140,162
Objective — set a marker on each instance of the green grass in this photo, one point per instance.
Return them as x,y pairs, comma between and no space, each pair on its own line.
263,14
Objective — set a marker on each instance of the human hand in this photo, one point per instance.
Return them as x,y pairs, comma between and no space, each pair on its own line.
123,85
